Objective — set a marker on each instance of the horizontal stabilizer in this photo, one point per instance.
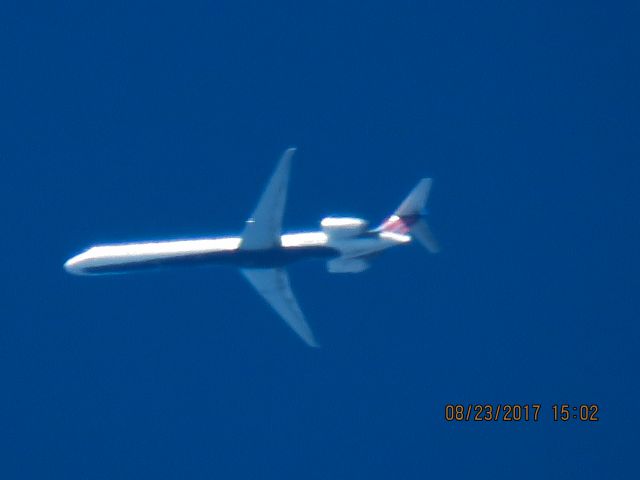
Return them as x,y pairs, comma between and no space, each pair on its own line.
416,200
408,219
422,233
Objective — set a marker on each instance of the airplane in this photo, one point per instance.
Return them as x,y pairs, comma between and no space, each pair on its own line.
262,251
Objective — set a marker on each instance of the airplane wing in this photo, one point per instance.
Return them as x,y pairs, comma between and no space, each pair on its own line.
273,285
262,231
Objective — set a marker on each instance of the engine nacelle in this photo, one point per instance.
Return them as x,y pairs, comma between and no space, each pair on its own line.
343,227
347,265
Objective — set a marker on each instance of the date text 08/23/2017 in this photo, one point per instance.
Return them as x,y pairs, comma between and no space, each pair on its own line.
515,412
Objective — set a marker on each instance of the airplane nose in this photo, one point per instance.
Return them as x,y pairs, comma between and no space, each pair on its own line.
71,265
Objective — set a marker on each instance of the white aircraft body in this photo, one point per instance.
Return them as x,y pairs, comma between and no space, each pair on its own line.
262,251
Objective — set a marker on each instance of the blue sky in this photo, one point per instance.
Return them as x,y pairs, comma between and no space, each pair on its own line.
130,121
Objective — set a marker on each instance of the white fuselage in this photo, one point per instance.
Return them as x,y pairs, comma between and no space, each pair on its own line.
120,258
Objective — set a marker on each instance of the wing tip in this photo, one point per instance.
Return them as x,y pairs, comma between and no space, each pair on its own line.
288,153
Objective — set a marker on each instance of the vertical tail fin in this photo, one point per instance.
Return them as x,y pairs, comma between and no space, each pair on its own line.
409,217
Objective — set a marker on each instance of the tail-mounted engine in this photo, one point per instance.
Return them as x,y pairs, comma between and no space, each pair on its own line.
347,265
343,227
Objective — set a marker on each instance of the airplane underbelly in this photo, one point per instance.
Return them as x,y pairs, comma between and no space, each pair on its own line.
125,263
